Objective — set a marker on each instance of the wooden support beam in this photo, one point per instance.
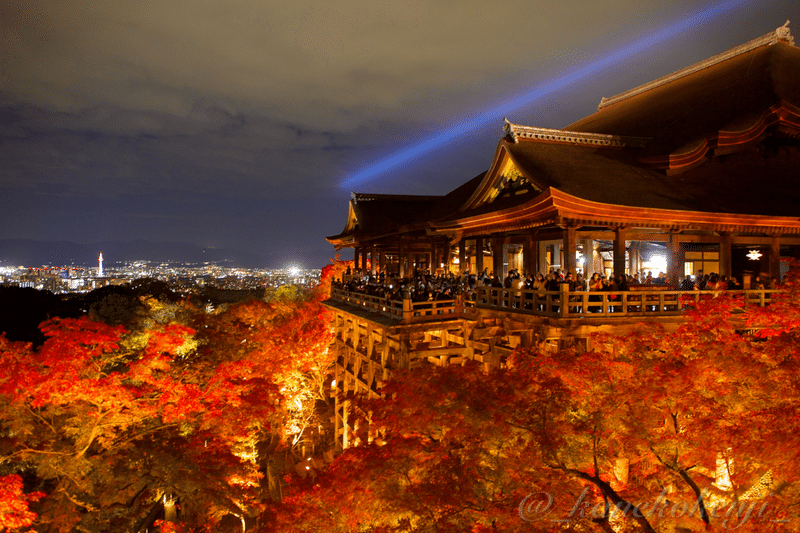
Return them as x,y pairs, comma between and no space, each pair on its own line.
775,258
674,261
479,254
401,259
570,247
541,248
497,256
588,258
529,259
725,267
620,235
462,256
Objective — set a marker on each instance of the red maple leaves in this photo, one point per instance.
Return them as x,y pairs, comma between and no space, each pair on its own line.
14,504
693,426
109,419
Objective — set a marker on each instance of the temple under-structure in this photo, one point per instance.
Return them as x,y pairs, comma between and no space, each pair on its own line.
695,172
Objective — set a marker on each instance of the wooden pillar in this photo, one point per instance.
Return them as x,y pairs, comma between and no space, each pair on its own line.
725,268
373,264
433,264
356,251
479,255
674,261
570,249
529,249
497,257
401,260
775,258
462,256
558,255
619,251
382,260
541,247
588,258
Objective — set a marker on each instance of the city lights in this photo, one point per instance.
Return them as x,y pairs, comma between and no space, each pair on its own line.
182,277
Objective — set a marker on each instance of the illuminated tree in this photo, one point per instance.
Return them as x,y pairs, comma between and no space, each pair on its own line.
14,504
696,428
106,421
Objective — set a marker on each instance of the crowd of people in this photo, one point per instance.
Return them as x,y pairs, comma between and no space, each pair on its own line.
424,286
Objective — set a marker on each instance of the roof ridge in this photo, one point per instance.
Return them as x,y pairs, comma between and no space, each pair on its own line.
576,137
365,197
781,34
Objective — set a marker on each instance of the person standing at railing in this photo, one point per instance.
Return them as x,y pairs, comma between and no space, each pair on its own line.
552,283
570,281
595,285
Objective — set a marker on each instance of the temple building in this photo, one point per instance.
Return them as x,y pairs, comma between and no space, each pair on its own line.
689,172
695,172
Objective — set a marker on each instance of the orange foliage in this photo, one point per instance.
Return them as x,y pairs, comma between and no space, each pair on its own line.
109,419
14,511
597,431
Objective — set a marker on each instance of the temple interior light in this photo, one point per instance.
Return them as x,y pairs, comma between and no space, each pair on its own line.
657,264
754,255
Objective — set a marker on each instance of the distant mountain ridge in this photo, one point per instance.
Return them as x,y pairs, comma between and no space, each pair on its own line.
33,253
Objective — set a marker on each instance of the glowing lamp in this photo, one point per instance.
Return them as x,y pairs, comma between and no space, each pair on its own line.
754,255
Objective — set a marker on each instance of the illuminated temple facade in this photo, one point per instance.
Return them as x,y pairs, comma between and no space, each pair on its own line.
696,171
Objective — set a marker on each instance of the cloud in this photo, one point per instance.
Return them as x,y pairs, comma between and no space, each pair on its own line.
153,105
327,66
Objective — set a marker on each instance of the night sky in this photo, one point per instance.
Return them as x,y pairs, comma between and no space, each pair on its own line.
241,124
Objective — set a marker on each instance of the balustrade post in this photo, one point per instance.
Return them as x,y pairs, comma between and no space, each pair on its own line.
408,307
564,297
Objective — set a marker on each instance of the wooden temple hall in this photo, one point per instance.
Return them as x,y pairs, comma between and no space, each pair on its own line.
696,171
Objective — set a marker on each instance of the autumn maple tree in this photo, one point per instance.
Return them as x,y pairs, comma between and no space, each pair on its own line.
694,427
106,422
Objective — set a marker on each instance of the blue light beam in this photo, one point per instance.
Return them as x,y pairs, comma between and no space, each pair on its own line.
541,91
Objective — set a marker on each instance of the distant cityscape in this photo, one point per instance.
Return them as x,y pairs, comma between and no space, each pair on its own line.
180,276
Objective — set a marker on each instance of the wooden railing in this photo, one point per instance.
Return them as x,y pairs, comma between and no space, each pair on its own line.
596,304
563,304
405,310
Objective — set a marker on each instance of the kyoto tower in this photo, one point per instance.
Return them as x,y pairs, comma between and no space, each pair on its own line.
100,267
